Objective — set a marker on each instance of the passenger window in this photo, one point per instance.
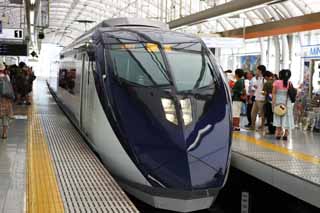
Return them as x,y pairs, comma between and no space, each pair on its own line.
67,79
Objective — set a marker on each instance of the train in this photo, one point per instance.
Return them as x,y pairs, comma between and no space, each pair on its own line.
154,105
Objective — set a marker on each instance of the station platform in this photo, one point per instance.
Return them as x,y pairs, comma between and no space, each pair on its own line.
46,166
13,164
292,166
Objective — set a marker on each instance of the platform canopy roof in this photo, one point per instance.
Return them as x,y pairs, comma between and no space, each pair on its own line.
12,13
64,20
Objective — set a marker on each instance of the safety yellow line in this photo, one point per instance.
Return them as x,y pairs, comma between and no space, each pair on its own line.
42,188
267,145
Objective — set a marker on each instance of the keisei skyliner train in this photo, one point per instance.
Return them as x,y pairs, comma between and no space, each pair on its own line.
154,105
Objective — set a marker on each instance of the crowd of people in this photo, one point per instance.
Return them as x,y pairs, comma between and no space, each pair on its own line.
15,86
22,78
265,95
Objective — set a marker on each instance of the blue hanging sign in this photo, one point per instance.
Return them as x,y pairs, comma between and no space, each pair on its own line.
311,51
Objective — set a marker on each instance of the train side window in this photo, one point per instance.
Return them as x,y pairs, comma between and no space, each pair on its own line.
67,78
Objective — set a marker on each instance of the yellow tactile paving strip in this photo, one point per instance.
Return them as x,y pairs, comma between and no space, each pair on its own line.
42,187
276,148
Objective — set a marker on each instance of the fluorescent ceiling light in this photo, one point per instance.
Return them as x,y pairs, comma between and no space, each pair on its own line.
31,17
32,1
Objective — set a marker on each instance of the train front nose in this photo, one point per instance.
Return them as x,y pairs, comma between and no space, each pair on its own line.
171,154
200,149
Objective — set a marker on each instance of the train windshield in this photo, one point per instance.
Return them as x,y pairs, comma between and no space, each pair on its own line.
190,65
143,64
139,63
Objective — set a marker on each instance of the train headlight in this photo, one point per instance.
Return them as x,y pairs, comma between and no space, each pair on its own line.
169,110
186,111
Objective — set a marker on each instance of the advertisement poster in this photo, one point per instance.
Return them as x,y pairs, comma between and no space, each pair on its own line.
250,62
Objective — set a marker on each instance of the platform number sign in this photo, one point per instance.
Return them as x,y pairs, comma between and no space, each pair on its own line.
18,33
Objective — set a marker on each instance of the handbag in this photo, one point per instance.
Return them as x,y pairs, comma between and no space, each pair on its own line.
292,93
280,110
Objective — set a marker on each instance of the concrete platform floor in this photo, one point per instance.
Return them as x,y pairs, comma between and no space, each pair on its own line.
13,164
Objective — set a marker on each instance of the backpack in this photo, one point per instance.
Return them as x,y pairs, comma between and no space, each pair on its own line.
243,96
6,89
292,93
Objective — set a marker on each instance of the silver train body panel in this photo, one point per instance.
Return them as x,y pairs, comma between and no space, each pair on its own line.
96,127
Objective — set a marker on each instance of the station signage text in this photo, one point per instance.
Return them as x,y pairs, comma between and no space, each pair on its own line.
311,51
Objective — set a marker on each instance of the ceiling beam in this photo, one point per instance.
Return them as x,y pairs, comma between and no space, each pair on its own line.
286,26
220,10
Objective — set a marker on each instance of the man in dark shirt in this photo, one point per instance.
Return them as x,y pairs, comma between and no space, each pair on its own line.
238,96
267,88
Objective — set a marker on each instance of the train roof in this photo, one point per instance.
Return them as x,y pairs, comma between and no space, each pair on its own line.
123,22
133,22
114,36
128,29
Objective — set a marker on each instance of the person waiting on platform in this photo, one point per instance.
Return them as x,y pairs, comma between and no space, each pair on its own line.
230,78
30,77
24,80
13,70
238,96
280,96
249,82
257,107
19,80
268,113
6,99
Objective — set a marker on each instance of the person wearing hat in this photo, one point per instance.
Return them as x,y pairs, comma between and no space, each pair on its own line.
6,98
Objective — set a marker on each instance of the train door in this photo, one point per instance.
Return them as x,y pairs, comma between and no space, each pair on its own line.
84,94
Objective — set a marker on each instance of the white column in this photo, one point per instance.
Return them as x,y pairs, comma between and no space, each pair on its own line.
268,53
277,54
263,52
285,53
